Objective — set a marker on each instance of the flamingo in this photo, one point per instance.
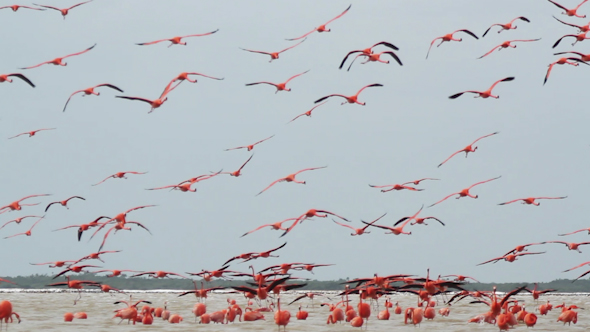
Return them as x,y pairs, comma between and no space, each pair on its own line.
309,267
583,57
578,266
118,226
6,78
417,182
563,61
17,7
368,51
465,192
282,317
579,38
291,178
468,148
96,255
459,277
59,61
75,269
64,202
27,233
449,37
584,28
63,11
484,94
208,275
53,264
349,99
185,76
522,247
376,57
18,220
200,293
531,200
238,172
301,314
253,255
322,28
90,91
114,273
574,232
310,214
279,86
251,146
177,40
571,245
273,55
511,257
276,226
507,44
308,113
16,205
507,26
119,175
184,187
75,284
570,12
31,133
156,102
395,187
418,221
360,231
84,227
121,218
158,274
397,230
536,292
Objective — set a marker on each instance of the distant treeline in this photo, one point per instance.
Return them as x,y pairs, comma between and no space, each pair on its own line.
39,281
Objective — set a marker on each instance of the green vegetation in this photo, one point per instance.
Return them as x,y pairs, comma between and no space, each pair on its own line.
40,281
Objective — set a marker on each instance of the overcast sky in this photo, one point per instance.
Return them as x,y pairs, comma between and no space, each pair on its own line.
406,129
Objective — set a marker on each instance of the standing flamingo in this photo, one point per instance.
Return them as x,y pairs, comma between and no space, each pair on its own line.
468,148
282,317
273,55
90,91
570,12
349,99
279,86
290,178
6,78
507,26
31,133
322,28
177,40
507,44
465,192
59,61
484,94
449,37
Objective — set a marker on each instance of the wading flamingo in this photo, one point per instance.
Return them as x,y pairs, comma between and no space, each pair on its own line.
90,91
507,26
507,44
468,148
177,40
350,99
63,11
291,178
308,113
570,12
251,146
322,28
360,231
6,78
27,233
368,51
574,62
6,313
118,175
449,37
16,205
465,192
484,94
279,86
282,317
31,133
59,61
273,55
64,202
531,200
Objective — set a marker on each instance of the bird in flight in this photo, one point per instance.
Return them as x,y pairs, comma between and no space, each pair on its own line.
531,200
177,40
118,175
290,178
468,148
64,202
31,133
6,78
90,91
59,61
465,192
484,94
322,28
273,55
63,11
251,146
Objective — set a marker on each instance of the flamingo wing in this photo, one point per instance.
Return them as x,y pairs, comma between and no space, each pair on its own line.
290,47
22,77
264,140
559,40
78,53
152,42
491,260
339,16
485,33
344,225
451,156
468,32
494,133
443,199
369,86
512,201
346,57
261,52
49,7
108,85
328,96
442,223
79,4
461,93
110,176
35,66
580,230
292,77
255,83
577,266
507,79
254,230
395,57
431,43
136,98
386,44
309,169
481,182
305,35
49,205
270,185
551,197
201,34
558,5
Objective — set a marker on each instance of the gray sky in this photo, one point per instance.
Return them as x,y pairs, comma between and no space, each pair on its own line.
406,129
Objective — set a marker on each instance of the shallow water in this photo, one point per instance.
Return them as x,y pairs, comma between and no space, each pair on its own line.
44,312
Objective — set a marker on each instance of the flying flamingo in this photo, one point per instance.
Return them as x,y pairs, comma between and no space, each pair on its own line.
16,205
158,274
563,61
521,248
84,227
279,86
185,76
118,175
53,264
59,61
574,232
507,44
308,267
177,40
63,11
322,28
17,7
156,102
18,220
114,273
96,255
238,172
253,255
276,226
400,229
376,57
417,182
449,37
359,231
308,113
367,51
273,55
75,284
577,266
64,202
507,26
511,257
418,221
581,28
395,187
119,226
251,146
570,12
27,233
200,178
184,187
121,218
484,94
350,99
200,293
459,277
310,214
465,192
90,91
579,38
290,178
6,78
75,269
583,57
531,200
31,133
467,149
570,245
